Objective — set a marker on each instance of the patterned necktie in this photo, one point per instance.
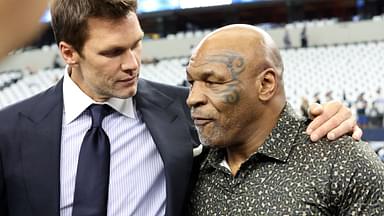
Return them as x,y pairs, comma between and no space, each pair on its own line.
92,177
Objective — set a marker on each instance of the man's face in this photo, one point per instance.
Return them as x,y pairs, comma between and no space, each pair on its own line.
222,96
110,61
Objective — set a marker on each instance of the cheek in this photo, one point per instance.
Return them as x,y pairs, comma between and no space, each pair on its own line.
228,95
138,60
107,70
138,55
109,66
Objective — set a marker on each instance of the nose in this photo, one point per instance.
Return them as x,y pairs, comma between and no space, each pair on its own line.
130,61
196,95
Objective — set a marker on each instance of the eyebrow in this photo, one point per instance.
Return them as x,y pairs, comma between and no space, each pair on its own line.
203,75
141,37
138,40
121,47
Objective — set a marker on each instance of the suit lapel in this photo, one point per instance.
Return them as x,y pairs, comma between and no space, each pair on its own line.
40,137
165,119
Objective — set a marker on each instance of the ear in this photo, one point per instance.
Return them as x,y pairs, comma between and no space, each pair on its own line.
70,55
268,84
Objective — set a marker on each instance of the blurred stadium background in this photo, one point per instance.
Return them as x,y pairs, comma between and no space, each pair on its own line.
332,49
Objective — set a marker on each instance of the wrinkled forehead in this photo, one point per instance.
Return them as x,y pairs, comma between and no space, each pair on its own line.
217,57
222,62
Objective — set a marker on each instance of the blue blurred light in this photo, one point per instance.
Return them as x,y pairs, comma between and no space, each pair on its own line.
46,18
145,6
243,1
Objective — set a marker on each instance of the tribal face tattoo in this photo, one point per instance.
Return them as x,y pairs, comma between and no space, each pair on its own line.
235,65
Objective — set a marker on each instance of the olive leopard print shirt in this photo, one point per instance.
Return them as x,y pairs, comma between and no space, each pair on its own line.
290,175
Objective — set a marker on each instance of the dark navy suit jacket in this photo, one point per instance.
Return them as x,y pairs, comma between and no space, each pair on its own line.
30,138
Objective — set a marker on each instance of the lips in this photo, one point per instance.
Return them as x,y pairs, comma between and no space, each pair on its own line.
128,80
201,121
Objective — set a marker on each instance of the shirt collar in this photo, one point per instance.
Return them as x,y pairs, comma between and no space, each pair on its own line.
282,138
76,101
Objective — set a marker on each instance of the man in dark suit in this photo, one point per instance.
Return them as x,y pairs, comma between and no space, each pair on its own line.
143,129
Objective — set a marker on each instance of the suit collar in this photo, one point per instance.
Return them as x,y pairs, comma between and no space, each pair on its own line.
39,137
47,102
166,121
147,94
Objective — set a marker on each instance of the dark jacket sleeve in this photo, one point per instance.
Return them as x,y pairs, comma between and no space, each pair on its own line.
3,199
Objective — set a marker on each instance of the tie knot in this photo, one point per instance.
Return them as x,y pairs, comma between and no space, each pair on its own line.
98,112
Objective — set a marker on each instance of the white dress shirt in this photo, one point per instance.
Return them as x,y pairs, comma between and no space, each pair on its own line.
137,180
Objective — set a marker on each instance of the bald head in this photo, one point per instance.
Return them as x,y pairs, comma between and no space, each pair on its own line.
242,59
253,42
236,87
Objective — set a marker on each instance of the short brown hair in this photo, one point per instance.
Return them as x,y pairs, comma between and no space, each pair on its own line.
69,17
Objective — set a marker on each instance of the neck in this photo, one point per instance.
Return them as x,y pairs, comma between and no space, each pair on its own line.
238,154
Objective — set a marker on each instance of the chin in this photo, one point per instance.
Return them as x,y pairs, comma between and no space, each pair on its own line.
212,143
127,93
214,139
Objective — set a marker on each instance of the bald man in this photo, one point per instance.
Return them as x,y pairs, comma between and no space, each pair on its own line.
19,23
261,161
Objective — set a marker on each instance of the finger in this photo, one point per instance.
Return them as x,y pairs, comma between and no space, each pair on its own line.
344,128
357,132
331,110
342,121
314,109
